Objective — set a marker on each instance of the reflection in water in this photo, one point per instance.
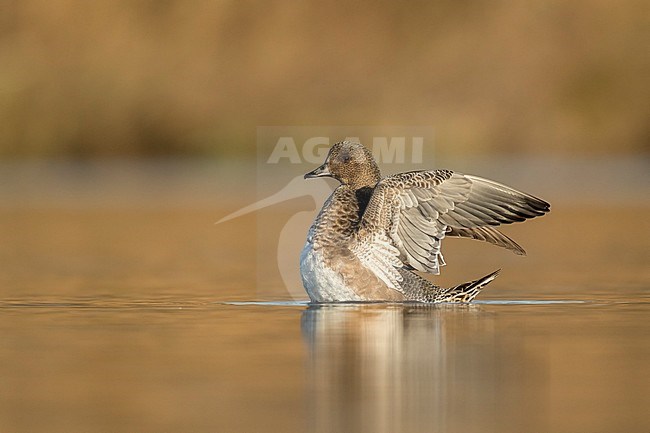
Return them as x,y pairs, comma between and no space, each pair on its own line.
380,368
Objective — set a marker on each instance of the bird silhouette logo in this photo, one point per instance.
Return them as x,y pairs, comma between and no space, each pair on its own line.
390,145
288,241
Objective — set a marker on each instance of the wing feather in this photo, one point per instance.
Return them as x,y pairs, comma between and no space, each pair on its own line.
487,234
410,213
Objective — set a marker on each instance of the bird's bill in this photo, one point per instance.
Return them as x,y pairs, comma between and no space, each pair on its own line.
321,171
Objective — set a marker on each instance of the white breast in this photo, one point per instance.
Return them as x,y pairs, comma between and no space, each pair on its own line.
322,283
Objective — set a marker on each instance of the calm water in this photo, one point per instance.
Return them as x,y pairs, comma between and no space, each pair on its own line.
138,314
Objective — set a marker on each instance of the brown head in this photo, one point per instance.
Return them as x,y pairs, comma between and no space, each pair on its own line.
351,164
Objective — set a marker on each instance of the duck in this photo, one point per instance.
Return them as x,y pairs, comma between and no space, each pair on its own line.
373,234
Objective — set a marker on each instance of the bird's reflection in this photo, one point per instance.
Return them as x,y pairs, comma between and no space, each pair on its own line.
389,368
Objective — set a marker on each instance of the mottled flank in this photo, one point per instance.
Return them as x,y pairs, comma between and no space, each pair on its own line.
372,233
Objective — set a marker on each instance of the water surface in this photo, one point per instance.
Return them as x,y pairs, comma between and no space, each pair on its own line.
140,315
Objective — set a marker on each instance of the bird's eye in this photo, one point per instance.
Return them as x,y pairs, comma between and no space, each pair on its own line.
345,158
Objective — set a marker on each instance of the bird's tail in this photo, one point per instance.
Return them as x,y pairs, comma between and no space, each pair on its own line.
465,292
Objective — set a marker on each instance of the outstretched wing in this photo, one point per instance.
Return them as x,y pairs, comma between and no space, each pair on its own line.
410,213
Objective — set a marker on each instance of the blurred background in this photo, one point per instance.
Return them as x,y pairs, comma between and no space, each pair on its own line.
130,109
128,127
144,77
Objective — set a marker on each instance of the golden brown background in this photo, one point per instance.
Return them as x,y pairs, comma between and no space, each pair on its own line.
144,77
127,128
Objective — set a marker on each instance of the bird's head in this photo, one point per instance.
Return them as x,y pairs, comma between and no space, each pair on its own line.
351,164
